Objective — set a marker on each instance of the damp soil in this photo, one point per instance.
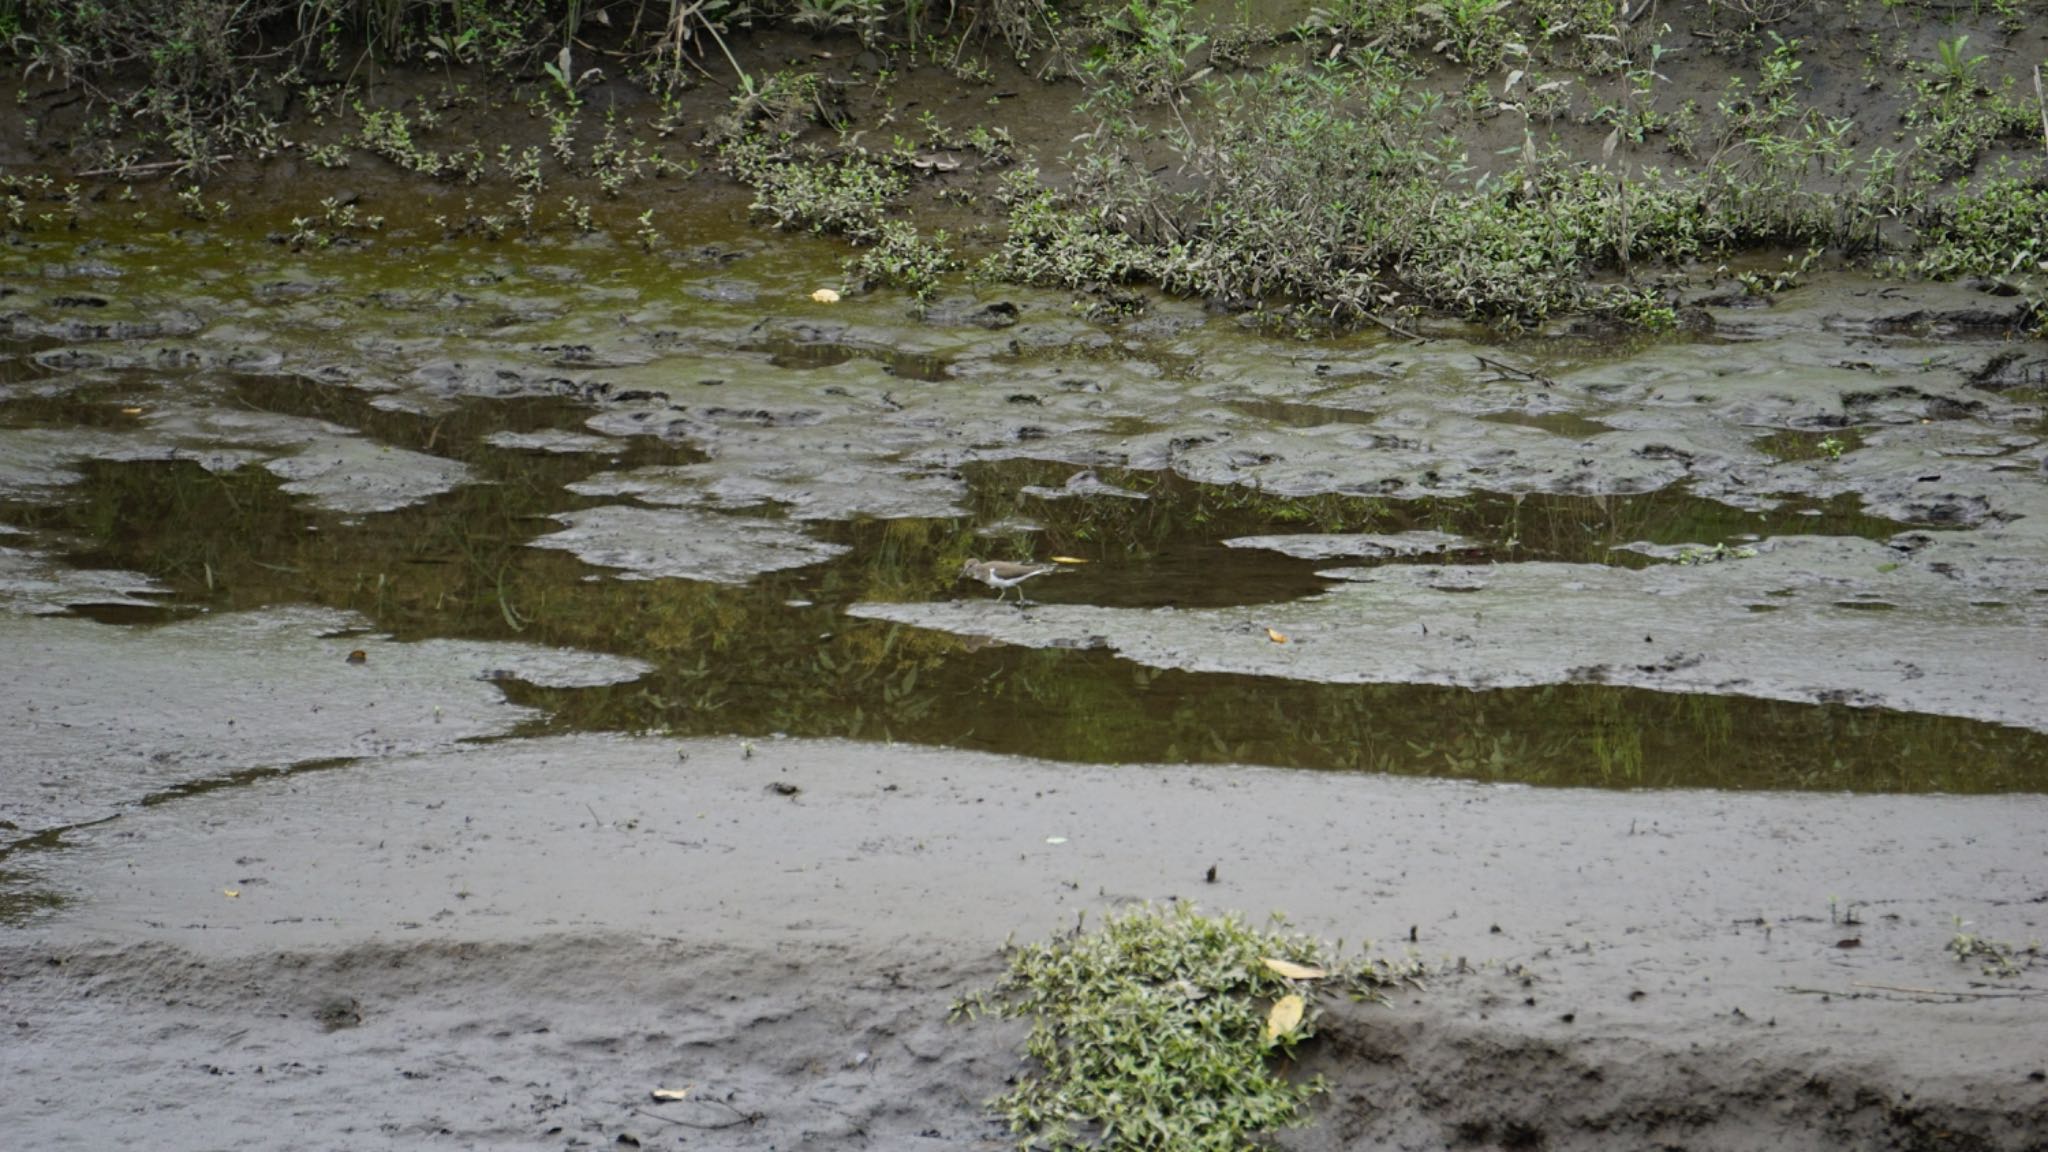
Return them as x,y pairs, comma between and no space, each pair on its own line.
515,946
613,716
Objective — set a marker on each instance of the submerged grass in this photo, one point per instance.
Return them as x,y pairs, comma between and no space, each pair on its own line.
1158,1032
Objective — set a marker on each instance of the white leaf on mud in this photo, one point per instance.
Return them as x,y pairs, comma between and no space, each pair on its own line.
232,893
1055,839
668,1094
1285,1016
1293,971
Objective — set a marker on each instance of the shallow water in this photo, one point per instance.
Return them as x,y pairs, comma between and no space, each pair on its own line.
565,375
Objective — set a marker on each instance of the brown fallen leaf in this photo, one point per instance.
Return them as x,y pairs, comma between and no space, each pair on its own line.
1291,970
1276,637
359,657
1285,1016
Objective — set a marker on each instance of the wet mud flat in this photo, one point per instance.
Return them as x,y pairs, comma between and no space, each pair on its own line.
329,596
1642,553
513,946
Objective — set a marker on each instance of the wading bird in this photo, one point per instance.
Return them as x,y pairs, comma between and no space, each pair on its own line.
1003,575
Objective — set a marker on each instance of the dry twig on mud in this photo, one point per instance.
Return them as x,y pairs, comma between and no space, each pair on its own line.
1512,372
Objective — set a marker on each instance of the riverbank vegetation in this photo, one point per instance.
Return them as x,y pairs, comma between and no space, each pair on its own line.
1361,162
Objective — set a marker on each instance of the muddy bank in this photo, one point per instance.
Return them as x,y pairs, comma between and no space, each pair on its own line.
100,718
513,945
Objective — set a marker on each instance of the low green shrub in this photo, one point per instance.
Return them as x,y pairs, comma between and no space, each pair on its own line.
1159,1031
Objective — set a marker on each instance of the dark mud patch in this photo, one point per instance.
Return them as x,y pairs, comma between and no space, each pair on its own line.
1570,425
2012,370
1297,415
790,352
121,613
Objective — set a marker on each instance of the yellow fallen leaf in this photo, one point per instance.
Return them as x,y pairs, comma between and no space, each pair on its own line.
1068,560
1276,637
825,296
1293,971
232,893
671,1093
1285,1016
131,411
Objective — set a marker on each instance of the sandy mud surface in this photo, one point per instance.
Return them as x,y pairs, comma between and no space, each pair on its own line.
511,946
100,719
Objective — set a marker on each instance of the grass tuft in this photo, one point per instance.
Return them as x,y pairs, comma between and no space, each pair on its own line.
1152,1033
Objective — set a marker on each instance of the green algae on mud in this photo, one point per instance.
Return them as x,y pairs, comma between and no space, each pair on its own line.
775,656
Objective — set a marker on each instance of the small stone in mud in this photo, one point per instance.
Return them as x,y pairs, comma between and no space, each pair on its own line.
359,657
781,788
341,1012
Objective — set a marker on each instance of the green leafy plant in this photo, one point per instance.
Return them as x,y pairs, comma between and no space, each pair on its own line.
1955,70
1159,1032
1149,45
905,258
846,195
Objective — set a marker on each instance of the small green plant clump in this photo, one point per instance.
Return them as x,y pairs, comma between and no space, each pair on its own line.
905,258
848,196
1693,557
1993,957
1157,1032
